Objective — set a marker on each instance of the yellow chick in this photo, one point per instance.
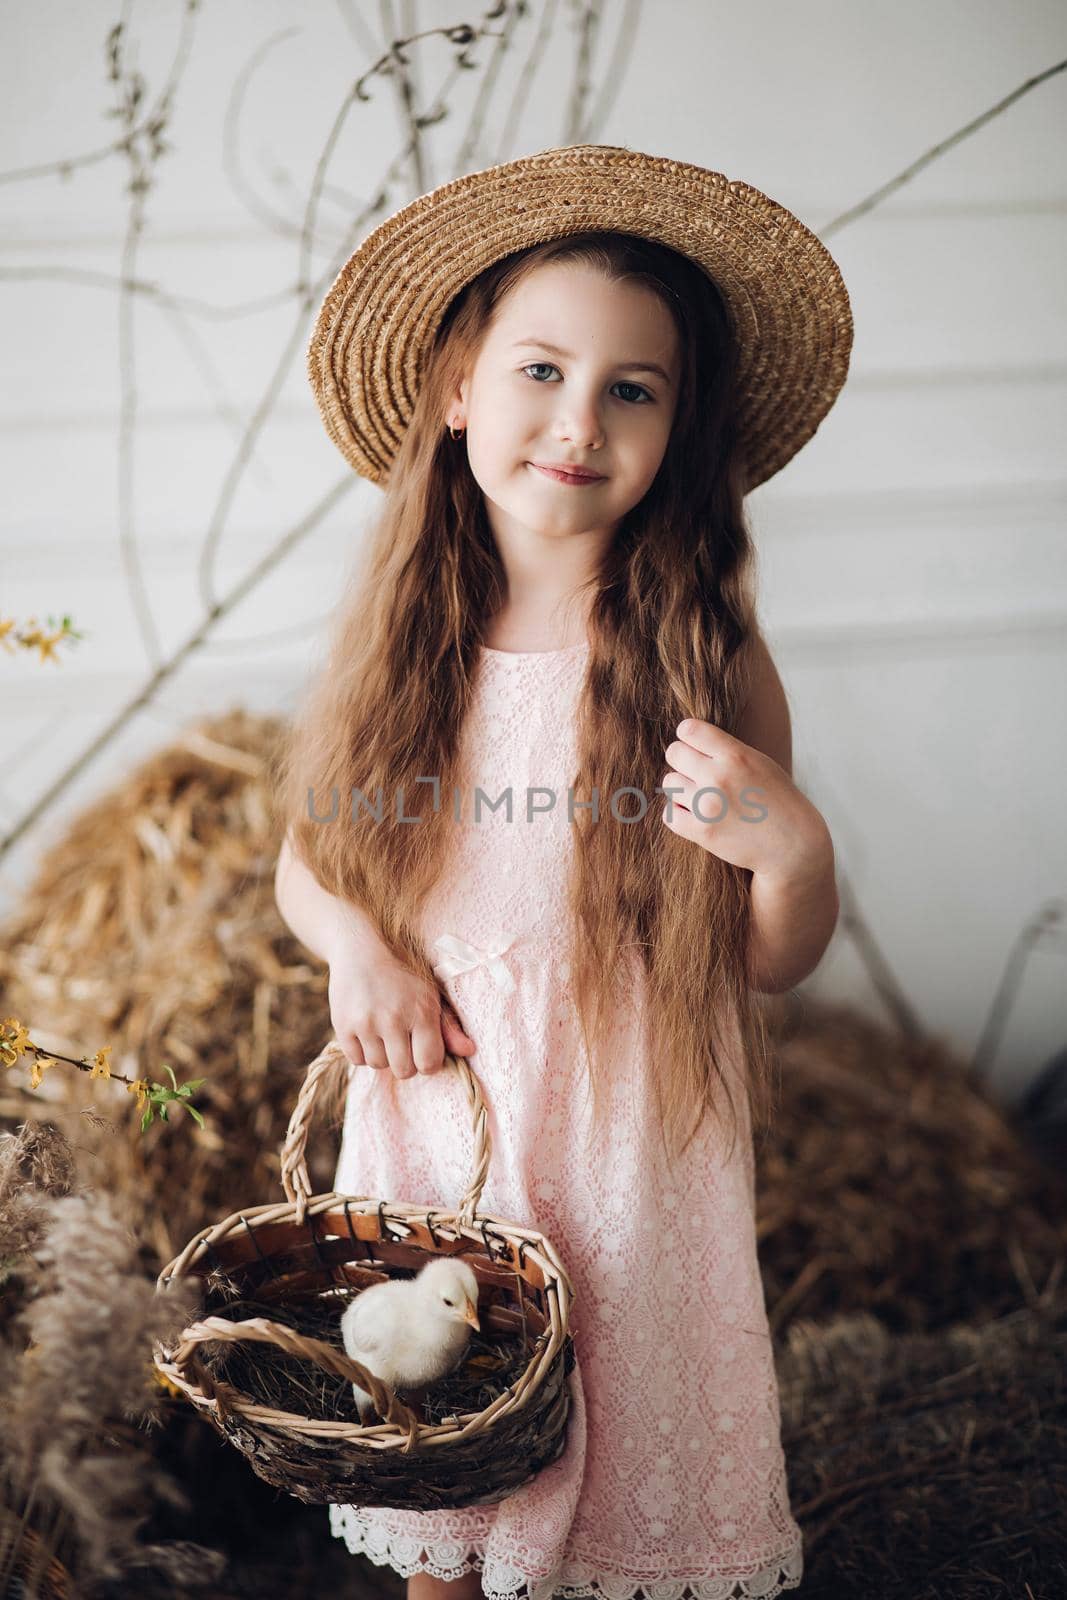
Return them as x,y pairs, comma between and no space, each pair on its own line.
412,1330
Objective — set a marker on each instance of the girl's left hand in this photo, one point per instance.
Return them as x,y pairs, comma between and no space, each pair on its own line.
756,817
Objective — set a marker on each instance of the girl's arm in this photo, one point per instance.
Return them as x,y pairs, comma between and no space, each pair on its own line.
791,923
382,1014
321,921
792,917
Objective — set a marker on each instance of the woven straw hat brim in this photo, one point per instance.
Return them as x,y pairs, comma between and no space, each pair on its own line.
784,292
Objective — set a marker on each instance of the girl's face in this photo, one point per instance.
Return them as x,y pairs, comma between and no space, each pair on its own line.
590,401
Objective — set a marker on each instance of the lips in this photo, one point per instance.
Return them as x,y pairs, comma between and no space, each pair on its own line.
567,474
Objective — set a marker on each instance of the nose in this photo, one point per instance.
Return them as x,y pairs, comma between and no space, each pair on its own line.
579,422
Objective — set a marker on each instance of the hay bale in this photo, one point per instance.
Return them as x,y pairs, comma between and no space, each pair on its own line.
893,1183
151,925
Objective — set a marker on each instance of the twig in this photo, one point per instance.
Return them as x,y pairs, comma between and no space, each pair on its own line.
169,667
467,156
68,164
878,195
402,71
91,278
614,74
241,185
878,968
588,26
141,163
308,295
1049,916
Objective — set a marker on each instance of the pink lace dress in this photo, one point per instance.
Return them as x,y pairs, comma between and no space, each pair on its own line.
672,1481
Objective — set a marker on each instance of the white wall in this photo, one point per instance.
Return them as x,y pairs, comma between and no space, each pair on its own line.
912,555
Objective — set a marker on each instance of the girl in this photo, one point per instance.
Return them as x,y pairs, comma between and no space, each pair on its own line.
567,371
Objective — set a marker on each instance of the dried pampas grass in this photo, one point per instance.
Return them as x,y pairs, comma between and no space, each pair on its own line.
77,1388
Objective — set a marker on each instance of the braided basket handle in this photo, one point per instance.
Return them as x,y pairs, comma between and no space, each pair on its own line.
261,1330
295,1180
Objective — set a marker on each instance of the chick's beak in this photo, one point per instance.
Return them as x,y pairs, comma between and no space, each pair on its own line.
471,1316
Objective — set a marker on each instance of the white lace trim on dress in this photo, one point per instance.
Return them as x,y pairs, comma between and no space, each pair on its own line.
451,1559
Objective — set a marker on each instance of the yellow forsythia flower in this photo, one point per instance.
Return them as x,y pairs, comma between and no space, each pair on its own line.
102,1063
37,1070
35,638
13,1041
140,1088
46,643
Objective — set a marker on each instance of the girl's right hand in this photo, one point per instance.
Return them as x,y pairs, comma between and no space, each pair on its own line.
386,1016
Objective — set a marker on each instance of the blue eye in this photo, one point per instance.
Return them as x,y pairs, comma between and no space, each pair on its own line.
622,384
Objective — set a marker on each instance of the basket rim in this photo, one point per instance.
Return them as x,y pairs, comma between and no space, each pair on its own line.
530,1241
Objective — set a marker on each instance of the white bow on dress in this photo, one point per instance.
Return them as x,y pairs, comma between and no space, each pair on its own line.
457,956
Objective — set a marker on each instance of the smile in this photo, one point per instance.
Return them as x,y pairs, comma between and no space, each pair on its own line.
565,477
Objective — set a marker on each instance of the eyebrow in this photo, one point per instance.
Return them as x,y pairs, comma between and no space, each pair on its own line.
630,366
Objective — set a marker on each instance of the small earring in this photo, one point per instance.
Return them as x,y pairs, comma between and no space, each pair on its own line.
456,433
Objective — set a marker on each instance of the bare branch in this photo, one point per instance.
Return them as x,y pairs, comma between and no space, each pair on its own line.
614,73
276,222
91,278
467,153
66,165
459,35
1050,919
879,971
878,195
588,27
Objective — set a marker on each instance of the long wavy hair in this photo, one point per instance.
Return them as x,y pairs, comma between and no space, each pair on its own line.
671,619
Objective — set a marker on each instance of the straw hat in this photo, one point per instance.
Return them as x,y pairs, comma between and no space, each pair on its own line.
783,290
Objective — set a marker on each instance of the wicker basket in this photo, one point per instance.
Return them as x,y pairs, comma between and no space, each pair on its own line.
322,1249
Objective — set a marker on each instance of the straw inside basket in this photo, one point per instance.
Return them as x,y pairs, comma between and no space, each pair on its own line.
273,1377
